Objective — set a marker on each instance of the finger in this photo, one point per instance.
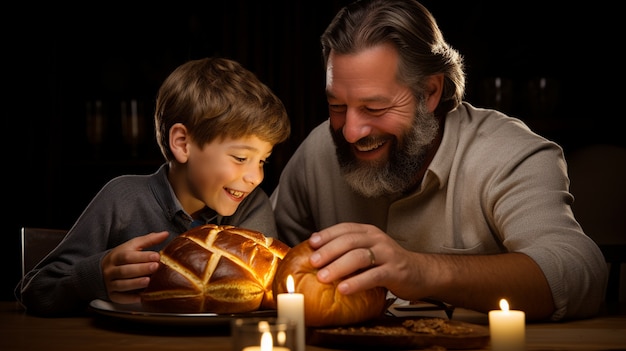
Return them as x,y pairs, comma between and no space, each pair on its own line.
347,264
331,251
318,239
124,298
131,251
121,257
365,280
146,241
134,269
348,240
128,285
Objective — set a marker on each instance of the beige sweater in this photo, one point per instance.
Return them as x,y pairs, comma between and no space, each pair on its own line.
494,186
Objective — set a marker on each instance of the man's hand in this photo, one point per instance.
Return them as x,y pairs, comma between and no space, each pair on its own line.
362,255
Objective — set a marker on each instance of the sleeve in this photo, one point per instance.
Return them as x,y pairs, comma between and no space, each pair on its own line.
532,207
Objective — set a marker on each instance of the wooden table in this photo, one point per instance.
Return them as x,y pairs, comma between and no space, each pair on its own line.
20,331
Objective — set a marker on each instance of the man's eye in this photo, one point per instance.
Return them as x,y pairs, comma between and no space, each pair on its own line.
337,108
376,111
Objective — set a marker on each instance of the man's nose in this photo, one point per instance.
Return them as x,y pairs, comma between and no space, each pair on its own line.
355,126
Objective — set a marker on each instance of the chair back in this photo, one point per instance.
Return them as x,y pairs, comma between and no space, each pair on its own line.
36,243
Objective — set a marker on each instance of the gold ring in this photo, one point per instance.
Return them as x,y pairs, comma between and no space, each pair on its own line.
372,257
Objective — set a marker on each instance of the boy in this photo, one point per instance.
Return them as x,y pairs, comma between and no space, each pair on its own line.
216,125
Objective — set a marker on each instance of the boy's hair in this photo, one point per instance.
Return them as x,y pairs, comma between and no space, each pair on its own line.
218,98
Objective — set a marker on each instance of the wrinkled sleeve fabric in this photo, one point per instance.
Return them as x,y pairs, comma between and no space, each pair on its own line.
519,187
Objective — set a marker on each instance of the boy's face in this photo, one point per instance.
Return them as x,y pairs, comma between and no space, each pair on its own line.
224,172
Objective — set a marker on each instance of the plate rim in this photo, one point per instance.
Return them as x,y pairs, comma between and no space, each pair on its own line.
135,312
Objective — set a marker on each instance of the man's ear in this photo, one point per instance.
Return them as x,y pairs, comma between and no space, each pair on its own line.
434,89
180,142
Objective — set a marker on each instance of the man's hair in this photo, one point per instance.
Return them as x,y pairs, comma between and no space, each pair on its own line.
413,31
218,98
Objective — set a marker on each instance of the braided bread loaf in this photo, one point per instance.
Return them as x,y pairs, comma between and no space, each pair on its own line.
219,269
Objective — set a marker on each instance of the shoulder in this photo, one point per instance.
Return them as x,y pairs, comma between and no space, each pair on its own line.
491,133
489,143
128,186
125,182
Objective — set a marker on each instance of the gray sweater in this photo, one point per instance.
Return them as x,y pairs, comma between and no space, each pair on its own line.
126,207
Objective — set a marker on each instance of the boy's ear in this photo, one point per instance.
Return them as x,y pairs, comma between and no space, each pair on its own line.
180,142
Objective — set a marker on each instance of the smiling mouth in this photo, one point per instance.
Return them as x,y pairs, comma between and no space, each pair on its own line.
236,193
369,145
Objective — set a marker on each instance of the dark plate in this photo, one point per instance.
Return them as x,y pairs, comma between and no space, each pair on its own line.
135,312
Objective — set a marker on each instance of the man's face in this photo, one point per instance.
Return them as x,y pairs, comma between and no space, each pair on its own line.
380,131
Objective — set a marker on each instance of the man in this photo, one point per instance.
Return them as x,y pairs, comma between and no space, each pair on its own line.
406,186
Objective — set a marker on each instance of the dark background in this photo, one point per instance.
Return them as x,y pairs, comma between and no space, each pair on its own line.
59,60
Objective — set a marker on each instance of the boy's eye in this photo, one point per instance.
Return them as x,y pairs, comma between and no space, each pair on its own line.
239,159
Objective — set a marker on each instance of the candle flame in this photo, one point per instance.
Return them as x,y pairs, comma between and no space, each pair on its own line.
290,285
266,342
281,337
264,326
504,305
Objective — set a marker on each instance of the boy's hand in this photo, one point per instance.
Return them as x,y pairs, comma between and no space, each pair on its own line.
127,268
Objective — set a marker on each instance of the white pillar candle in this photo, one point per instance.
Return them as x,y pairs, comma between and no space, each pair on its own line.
507,329
291,306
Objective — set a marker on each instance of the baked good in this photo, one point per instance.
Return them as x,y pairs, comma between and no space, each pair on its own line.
323,304
219,269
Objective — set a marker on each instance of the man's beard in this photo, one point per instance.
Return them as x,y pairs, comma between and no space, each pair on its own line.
406,157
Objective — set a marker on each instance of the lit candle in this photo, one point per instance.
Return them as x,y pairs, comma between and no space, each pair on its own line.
507,329
267,344
291,307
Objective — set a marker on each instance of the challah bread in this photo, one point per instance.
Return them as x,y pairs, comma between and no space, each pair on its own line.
219,269
323,304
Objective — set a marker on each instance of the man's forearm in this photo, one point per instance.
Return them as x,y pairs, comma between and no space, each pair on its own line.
479,282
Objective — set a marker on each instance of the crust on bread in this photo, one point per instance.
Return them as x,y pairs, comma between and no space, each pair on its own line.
219,269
